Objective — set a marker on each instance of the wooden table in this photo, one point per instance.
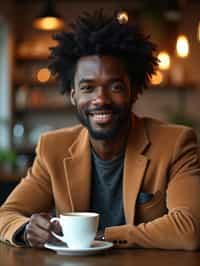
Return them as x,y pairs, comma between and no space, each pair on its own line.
11,256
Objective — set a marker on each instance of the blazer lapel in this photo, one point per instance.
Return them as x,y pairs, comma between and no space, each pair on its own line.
134,167
77,167
77,171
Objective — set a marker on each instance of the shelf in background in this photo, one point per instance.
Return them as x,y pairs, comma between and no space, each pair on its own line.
38,110
33,83
29,58
169,86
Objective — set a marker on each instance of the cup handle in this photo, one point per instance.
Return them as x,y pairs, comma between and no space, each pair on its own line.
53,233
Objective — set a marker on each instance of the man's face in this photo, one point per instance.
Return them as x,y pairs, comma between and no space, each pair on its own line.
102,96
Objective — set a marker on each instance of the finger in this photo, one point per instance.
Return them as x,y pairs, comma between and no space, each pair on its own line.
35,234
40,221
37,240
56,227
53,239
46,215
37,231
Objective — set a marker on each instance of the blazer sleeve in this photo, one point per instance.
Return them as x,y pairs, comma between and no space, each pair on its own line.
180,227
32,195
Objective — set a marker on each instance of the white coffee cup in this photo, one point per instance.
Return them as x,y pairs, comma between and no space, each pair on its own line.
79,228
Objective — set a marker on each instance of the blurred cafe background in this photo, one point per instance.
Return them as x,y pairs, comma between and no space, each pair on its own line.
30,103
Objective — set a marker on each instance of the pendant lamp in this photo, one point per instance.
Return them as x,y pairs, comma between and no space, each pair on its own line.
48,19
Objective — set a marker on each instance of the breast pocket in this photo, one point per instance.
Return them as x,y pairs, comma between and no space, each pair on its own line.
148,211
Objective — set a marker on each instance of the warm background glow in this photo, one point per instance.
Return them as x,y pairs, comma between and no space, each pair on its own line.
157,78
198,32
122,17
48,23
164,59
182,46
43,75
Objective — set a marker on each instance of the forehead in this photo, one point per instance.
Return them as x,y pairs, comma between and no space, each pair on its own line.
90,67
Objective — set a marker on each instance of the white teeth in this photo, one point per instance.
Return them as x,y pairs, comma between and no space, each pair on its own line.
102,113
102,116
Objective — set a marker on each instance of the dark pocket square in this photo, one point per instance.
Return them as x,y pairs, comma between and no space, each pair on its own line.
144,197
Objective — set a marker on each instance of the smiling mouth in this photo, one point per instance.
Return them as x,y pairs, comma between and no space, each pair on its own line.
102,117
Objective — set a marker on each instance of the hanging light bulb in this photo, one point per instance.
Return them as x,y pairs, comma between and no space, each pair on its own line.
122,17
173,10
182,46
48,19
164,60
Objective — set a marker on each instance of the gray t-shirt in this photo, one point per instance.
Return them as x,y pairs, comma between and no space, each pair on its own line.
106,190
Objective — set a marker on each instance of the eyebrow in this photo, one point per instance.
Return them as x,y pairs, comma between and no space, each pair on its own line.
86,81
92,80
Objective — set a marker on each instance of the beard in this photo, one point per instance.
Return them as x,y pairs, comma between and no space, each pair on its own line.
122,118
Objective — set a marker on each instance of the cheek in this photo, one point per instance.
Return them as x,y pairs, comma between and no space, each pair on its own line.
83,101
81,105
123,101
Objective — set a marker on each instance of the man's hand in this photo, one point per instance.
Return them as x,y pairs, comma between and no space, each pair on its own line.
100,235
38,231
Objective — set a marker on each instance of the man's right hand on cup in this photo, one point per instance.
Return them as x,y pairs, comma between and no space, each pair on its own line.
38,231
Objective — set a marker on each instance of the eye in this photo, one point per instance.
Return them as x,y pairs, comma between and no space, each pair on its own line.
118,87
86,88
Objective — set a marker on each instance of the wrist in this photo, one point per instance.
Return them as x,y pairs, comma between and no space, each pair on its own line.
25,239
19,237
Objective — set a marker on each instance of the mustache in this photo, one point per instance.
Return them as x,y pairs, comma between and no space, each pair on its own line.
113,108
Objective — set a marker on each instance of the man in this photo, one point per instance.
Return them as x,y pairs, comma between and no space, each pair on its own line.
141,175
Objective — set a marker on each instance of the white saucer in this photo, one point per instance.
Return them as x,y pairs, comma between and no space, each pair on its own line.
97,247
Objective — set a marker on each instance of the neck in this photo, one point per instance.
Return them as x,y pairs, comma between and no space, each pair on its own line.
109,149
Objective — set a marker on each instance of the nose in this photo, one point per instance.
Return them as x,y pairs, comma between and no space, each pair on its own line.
102,96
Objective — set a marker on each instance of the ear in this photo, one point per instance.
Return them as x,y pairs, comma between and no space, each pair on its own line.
134,98
72,97
134,95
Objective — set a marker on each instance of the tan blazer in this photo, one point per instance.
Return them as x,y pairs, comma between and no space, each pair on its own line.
160,158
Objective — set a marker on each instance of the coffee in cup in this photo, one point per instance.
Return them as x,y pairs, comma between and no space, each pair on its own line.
79,228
